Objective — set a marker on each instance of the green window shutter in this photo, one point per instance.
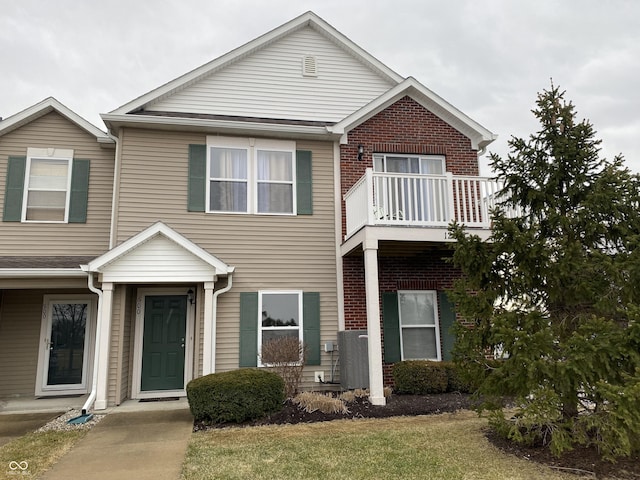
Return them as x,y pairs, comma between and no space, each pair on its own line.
304,187
14,189
391,326
248,329
79,191
197,178
447,319
311,326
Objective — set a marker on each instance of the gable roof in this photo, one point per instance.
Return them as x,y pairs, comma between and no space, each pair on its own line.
308,19
157,230
480,136
46,106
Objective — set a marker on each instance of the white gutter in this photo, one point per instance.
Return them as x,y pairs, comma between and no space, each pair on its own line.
215,318
142,121
94,380
40,272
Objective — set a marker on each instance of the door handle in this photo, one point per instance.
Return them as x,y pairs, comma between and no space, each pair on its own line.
182,343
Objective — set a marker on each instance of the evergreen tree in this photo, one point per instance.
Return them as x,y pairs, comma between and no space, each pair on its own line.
554,294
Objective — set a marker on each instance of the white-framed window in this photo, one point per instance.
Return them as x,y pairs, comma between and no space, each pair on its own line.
47,185
419,325
280,316
402,163
251,176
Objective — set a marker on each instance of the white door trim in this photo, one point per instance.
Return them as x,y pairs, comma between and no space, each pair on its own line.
41,387
137,393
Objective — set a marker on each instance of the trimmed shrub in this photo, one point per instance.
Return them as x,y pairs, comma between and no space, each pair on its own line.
235,396
456,381
420,377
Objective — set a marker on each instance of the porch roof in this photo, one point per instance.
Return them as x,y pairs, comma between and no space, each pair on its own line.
155,255
42,266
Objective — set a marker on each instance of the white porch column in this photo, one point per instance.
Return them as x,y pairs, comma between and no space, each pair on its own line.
106,309
374,338
209,341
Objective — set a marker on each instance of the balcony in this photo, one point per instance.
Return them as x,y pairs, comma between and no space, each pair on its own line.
400,199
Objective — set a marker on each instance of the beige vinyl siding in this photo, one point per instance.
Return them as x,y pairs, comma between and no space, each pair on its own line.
126,339
268,252
115,345
36,239
120,343
20,324
269,83
20,321
120,361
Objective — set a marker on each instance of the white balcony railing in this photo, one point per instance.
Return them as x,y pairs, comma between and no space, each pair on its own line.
419,200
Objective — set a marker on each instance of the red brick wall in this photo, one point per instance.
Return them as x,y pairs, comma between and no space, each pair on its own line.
427,271
405,127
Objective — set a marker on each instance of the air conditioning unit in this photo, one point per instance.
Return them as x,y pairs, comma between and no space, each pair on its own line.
354,359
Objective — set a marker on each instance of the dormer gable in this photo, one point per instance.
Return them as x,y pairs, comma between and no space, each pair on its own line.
47,106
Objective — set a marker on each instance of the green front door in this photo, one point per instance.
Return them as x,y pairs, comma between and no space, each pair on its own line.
165,321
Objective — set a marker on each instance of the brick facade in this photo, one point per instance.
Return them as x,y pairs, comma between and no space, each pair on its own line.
404,127
427,271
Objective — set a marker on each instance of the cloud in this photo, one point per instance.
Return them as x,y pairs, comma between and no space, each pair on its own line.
488,58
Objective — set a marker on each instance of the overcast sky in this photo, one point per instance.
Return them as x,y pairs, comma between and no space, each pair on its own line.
488,58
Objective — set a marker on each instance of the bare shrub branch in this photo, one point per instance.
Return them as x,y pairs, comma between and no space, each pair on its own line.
286,356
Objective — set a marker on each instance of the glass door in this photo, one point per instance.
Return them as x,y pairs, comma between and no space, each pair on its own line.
413,192
65,346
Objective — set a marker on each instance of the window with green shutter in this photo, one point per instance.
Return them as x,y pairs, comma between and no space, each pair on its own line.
197,178
304,182
413,329
47,185
237,175
79,194
447,320
14,189
269,315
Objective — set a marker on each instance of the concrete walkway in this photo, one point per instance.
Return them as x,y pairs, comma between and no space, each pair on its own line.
136,444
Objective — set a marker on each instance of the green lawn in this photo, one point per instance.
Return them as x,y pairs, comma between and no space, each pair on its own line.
449,446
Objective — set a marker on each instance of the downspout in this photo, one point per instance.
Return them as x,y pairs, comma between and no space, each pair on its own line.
116,189
94,380
215,317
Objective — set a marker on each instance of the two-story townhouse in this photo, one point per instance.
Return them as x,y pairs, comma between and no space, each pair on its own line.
56,179
295,186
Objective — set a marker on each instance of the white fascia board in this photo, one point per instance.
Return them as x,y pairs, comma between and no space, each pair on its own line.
41,272
480,136
209,125
48,105
157,228
306,19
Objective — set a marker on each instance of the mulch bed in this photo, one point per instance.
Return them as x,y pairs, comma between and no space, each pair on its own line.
581,461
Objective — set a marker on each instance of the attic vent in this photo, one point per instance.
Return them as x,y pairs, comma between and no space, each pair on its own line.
309,66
